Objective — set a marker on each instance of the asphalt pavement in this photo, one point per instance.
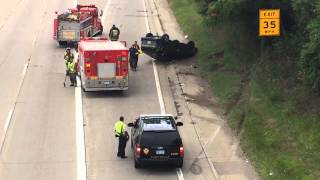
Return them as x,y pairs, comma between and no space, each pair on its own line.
37,114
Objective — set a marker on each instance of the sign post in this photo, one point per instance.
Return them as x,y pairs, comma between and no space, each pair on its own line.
269,25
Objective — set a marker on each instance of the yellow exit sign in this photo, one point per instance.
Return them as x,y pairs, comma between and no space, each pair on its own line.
269,22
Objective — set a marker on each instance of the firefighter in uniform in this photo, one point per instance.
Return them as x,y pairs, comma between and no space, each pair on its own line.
134,55
68,56
72,71
114,33
123,136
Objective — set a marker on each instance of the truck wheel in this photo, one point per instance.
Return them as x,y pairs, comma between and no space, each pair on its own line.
165,37
149,35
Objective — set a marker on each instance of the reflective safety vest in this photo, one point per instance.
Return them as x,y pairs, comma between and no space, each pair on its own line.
67,57
119,128
71,67
114,34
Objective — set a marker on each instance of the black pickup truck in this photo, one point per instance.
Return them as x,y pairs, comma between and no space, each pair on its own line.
162,48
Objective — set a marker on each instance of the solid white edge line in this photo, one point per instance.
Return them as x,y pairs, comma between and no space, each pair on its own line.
34,41
24,70
80,138
5,128
157,80
160,97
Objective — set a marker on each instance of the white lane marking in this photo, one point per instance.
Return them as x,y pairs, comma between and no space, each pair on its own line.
157,80
34,41
180,174
5,128
215,173
146,16
105,10
8,120
213,136
80,138
24,69
160,97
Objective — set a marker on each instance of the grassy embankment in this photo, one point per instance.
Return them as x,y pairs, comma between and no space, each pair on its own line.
278,122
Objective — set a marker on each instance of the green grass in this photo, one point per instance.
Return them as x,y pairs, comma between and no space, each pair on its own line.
280,133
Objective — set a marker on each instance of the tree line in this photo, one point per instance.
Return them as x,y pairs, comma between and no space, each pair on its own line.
300,30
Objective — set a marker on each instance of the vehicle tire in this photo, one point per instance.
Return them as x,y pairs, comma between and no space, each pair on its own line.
149,35
165,37
191,44
180,164
62,43
175,42
136,165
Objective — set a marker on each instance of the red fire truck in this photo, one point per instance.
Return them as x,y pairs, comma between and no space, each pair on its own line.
103,64
79,22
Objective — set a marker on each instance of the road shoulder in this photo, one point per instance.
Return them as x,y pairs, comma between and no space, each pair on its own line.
190,97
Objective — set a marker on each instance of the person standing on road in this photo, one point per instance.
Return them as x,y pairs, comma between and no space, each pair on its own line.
121,133
68,56
72,71
114,33
134,55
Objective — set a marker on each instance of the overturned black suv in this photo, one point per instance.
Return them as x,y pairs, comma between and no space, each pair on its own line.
162,48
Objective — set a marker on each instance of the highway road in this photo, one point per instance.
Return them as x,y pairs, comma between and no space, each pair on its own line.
51,132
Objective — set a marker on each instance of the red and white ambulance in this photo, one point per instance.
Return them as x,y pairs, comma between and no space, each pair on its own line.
103,64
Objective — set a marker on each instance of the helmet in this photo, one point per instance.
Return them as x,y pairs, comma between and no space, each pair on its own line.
68,48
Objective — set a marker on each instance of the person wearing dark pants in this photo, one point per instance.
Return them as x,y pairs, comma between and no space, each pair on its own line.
123,136
72,72
134,55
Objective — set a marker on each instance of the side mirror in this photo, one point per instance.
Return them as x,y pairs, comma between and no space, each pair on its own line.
179,124
101,12
130,124
176,117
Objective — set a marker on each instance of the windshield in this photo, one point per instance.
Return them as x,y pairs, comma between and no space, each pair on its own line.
161,123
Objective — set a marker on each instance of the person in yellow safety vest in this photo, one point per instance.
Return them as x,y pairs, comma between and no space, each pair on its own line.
122,134
68,55
114,33
72,71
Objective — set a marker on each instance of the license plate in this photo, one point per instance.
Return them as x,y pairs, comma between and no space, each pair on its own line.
107,82
159,152
70,35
